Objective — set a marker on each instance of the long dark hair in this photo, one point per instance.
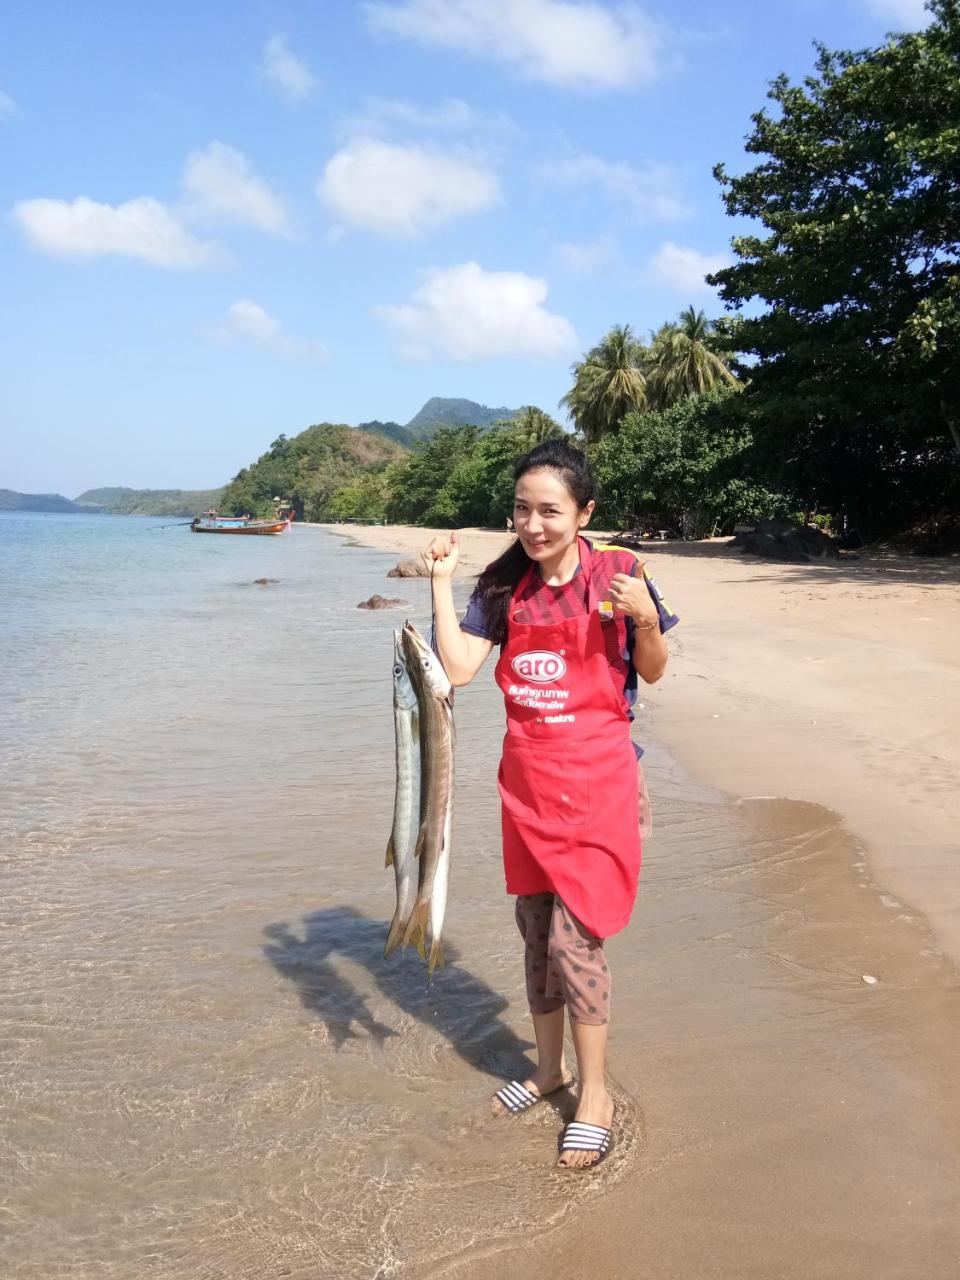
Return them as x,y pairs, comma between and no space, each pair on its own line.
500,579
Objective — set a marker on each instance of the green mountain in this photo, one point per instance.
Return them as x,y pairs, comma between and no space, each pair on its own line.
12,501
152,502
439,412
309,470
392,431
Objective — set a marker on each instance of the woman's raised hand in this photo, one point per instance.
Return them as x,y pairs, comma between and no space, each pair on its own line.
632,596
442,554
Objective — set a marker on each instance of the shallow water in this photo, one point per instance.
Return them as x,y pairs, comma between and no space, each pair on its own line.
208,1069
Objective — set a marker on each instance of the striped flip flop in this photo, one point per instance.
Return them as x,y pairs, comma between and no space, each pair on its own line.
578,1136
517,1098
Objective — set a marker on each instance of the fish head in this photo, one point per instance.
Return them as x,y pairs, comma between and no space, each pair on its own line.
404,694
426,671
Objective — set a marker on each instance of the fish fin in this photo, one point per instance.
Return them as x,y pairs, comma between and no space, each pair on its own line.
436,955
415,932
421,841
389,859
395,935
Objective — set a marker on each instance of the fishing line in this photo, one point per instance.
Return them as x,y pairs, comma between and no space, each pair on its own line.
433,613
433,626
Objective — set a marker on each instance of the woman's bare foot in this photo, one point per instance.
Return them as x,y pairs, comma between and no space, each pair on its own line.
593,1107
539,1083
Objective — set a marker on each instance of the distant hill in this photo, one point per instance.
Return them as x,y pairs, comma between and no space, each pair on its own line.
12,501
392,431
152,502
308,470
439,412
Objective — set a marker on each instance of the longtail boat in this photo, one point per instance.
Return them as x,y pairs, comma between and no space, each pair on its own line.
212,523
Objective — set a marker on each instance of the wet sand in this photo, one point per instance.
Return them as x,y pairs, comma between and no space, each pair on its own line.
780,1115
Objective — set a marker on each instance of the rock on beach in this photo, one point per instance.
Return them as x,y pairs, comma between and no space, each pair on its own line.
783,540
409,569
382,602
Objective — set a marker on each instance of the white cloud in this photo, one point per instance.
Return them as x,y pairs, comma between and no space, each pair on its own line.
7,106
285,71
217,181
574,45
450,116
404,190
467,314
221,182
246,319
683,269
906,15
251,321
142,228
651,193
588,257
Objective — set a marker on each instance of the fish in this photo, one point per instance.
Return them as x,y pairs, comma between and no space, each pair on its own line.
435,712
400,854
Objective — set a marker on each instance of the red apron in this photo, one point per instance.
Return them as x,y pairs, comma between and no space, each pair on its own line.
568,776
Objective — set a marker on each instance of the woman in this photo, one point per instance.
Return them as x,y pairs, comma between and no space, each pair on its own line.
576,623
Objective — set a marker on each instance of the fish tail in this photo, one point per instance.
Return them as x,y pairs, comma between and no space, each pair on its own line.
436,955
416,930
395,935
390,858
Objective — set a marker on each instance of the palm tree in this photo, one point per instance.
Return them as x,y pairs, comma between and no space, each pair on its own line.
608,383
683,360
534,426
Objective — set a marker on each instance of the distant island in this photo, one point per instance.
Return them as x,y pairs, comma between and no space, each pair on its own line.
331,454
10,500
151,502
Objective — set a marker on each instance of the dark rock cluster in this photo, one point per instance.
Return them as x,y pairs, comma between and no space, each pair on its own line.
783,540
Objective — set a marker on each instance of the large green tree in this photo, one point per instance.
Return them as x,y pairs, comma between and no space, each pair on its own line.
532,426
850,275
689,468
608,383
479,489
415,484
686,359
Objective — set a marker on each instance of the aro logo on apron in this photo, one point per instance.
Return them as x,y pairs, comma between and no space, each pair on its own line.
539,665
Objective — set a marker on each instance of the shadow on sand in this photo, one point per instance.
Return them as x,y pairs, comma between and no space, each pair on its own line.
867,566
461,1007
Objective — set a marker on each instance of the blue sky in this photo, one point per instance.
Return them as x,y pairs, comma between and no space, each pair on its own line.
227,220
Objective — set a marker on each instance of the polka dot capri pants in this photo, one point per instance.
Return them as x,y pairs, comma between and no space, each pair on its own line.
565,964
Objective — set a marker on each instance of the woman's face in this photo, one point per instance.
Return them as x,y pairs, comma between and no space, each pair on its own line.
546,515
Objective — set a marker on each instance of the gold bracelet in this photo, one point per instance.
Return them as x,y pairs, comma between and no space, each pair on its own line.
648,626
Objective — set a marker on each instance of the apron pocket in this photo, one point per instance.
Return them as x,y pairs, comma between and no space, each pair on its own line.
544,784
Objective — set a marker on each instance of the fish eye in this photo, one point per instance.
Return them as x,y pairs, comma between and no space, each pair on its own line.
426,664
398,670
